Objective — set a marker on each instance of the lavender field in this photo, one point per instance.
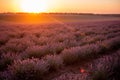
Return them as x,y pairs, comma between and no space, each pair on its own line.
68,49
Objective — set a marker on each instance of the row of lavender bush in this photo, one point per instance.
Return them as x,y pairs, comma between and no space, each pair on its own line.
104,68
107,68
54,44
34,69
35,51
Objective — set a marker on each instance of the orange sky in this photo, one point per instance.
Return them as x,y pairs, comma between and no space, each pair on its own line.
79,6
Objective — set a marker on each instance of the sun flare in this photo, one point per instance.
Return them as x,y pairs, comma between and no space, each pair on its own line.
33,6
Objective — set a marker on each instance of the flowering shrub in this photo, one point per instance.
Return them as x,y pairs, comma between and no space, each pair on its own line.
72,76
55,46
42,41
79,53
36,51
16,45
111,43
3,39
7,59
30,69
69,56
107,68
54,61
40,51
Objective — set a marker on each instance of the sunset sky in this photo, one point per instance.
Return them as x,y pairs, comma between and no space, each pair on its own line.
79,6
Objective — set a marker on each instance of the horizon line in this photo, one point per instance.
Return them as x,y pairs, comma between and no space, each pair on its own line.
60,13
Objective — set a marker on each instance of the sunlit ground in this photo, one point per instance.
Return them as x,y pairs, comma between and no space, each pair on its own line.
53,18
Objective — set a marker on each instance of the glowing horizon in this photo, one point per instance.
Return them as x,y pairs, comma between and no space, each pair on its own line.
78,6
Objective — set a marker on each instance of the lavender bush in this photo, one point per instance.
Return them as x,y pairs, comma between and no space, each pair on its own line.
30,52
80,53
107,68
55,62
30,69
7,59
36,51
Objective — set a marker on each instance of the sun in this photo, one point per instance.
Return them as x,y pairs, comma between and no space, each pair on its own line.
33,6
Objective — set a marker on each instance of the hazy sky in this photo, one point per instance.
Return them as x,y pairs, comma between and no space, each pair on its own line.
80,6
